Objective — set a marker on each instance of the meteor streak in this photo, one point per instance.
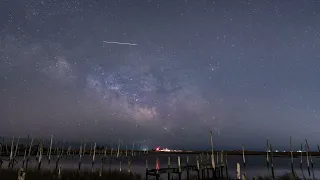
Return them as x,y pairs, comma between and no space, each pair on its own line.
114,42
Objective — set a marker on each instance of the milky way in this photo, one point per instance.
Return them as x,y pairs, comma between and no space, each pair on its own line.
246,70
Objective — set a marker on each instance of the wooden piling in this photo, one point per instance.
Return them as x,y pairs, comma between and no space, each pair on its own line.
238,173
50,149
291,155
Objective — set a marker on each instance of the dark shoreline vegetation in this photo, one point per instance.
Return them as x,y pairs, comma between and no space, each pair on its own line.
34,174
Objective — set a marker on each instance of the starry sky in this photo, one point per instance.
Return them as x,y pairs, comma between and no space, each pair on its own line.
245,69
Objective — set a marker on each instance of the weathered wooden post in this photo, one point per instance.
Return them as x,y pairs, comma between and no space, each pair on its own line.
93,156
15,153
50,148
84,149
308,163
301,157
238,174
40,149
1,161
132,149
126,150
90,150
111,151
157,168
244,162
80,157
222,165
267,151
59,153
198,167
29,153
217,168
227,173
188,173
129,166
272,168
11,153
118,151
146,168
169,163
212,155
310,156
179,168
291,154
24,155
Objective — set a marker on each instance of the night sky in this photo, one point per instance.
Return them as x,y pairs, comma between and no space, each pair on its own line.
247,70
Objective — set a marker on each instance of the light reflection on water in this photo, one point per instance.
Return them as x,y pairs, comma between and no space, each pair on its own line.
255,165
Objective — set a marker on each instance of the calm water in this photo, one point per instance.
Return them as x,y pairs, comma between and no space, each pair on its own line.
255,165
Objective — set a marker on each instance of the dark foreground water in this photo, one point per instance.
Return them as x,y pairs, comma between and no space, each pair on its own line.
255,165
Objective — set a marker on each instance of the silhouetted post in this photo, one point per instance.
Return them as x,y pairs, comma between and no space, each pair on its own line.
267,151
272,170
132,149
1,161
213,165
11,153
24,155
157,168
198,167
59,152
110,158
50,148
179,168
244,162
222,165
29,154
188,173
307,153
118,151
217,170
40,149
227,173
291,154
80,158
301,157
93,156
146,168
169,163
310,159
15,153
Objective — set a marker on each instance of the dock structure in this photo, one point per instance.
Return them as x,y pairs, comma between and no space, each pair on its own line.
200,171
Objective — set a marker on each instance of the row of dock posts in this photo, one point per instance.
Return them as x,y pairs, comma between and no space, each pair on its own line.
204,168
